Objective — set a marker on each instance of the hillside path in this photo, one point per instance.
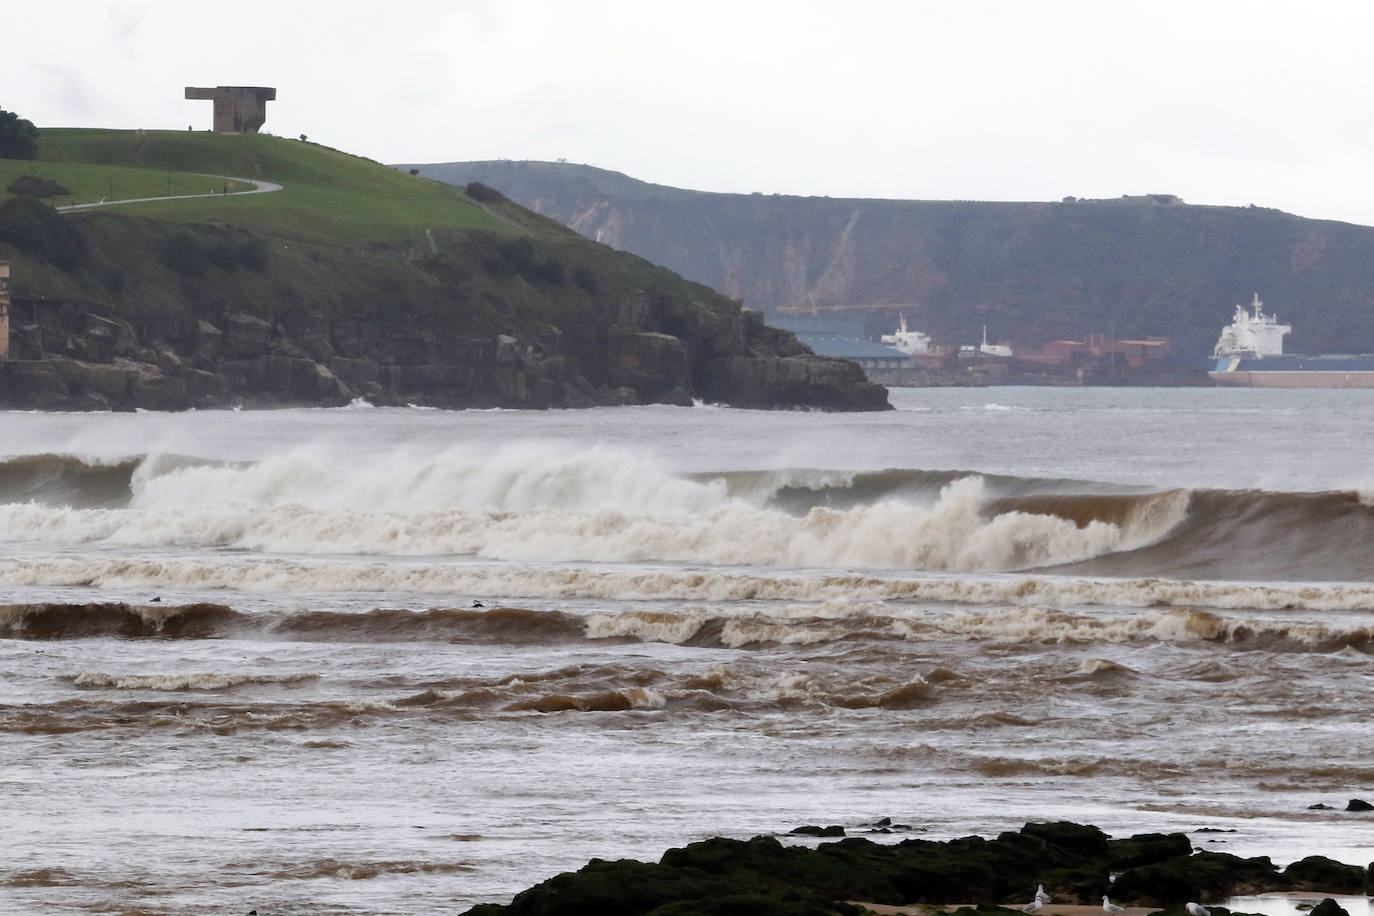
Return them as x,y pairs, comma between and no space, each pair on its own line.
259,187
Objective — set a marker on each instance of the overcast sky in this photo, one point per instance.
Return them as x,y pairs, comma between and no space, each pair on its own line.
1218,102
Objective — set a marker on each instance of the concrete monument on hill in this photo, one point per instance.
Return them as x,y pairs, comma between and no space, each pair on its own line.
238,109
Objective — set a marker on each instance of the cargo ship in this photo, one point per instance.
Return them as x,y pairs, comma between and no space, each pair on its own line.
1250,354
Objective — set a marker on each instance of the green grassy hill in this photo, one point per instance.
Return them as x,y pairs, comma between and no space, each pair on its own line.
352,260
343,234
331,194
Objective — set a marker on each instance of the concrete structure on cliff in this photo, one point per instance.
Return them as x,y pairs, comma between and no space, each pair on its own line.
238,109
4,309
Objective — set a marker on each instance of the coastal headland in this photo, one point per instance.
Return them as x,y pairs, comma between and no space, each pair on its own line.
352,281
1032,273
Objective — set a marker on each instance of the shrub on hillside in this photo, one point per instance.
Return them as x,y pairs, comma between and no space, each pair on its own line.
114,279
584,278
224,255
253,254
185,254
37,230
517,252
483,194
498,268
547,271
33,186
18,137
518,255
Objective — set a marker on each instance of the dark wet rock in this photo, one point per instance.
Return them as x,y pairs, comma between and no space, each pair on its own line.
1329,907
1203,875
771,382
621,397
1146,849
1077,838
159,392
710,884
651,363
763,875
245,336
812,830
1358,804
1318,873
1320,807
886,825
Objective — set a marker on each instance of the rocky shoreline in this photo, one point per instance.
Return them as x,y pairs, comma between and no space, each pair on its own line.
1076,864
72,355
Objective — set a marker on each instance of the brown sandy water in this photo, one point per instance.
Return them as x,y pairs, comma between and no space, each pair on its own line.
241,664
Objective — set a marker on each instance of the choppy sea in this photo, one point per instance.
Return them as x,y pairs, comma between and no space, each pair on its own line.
402,661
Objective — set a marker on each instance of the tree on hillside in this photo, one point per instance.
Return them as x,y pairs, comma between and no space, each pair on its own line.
18,137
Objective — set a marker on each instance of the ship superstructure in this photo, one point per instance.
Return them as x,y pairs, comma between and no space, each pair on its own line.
1249,353
908,341
1252,335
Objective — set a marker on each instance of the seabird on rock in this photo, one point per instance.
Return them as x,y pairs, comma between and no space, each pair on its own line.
1040,894
1109,907
1032,907
1197,909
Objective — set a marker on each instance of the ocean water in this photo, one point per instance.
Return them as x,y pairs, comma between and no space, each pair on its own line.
402,661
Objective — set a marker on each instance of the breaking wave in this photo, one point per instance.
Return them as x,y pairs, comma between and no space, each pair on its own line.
184,681
745,629
837,593
535,504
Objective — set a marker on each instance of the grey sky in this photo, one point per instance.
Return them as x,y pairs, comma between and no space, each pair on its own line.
1219,102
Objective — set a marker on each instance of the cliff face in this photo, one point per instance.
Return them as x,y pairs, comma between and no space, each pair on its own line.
477,320
1031,272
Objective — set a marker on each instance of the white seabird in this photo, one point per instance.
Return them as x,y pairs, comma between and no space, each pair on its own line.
1109,907
1040,894
1032,907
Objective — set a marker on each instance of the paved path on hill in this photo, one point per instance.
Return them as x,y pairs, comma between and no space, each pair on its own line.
259,187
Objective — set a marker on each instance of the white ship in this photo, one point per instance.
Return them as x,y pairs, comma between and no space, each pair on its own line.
1249,353
908,341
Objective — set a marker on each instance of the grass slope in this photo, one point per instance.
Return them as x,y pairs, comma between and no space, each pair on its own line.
326,194
90,183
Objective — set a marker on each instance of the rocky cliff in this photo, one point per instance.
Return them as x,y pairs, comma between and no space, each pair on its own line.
349,284
1140,266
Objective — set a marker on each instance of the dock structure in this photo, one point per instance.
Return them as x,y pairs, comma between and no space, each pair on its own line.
238,109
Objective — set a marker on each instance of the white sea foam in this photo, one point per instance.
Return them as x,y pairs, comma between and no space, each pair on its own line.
818,593
583,507
515,477
184,681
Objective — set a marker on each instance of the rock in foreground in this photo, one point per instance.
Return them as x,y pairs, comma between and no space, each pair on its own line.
762,876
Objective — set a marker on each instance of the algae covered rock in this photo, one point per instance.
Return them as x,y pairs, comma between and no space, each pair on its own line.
1328,907
1318,873
764,876
1203,875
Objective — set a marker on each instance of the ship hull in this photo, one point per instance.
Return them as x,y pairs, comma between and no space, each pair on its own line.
1294,379
1295,372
